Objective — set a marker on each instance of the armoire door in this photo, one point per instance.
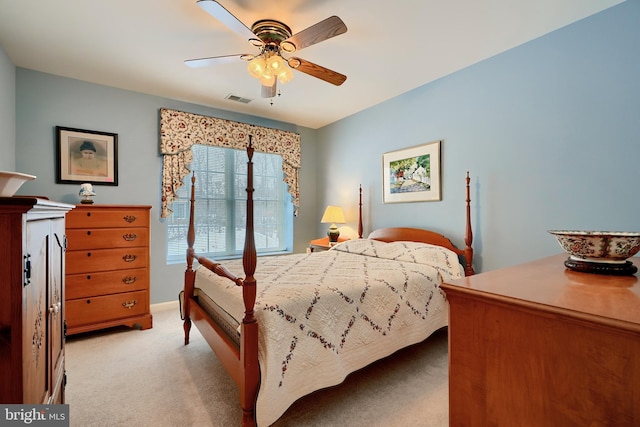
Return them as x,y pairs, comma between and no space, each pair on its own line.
35,356
56,310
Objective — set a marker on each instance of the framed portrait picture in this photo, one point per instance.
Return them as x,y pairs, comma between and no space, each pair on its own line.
86,156
412,174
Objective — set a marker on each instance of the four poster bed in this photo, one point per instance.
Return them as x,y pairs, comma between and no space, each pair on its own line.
303,322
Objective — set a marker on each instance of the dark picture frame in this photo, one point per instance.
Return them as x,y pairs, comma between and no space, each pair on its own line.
86,156
412,174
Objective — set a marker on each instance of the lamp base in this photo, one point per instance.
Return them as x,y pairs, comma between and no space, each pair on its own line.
333,235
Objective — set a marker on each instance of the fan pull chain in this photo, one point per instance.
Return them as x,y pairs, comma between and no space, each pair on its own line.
271,101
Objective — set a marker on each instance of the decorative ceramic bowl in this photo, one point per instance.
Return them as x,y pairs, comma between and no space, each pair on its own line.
10,182
598,246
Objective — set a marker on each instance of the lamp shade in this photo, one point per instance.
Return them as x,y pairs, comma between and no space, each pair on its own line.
256,67
267,79
275,64
285,75
333,215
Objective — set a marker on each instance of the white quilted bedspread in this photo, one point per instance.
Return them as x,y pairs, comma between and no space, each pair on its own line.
324,315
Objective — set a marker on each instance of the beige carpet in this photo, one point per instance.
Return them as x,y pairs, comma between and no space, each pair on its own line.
125,377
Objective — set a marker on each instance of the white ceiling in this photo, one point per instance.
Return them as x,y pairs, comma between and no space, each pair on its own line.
390,47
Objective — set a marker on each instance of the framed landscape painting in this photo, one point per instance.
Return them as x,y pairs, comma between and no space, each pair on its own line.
86,156
412,174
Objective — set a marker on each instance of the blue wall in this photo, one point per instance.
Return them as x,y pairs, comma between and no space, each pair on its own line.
550,132
45,101
7,113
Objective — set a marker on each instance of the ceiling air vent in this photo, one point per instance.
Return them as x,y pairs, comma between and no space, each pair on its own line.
238,99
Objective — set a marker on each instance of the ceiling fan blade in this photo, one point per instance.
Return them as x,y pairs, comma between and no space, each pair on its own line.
205,62
216,10
269,91
317,71
323,30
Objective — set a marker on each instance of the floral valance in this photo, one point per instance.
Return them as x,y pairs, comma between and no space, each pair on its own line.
179,131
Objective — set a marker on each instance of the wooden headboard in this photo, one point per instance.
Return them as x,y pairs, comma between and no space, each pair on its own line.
394,234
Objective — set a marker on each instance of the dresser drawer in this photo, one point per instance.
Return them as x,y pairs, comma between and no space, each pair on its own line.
104,283
98,309
90,261
100,217
99,238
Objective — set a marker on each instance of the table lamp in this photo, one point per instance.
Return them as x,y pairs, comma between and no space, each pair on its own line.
333,215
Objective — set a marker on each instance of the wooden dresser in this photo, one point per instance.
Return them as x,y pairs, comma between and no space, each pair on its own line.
32,244
107,282
540,345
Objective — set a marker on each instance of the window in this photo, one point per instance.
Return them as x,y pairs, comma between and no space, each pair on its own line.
220,208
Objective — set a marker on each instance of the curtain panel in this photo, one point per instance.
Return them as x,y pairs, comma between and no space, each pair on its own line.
179,131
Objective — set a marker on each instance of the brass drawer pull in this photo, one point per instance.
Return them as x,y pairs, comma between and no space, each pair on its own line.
129,218
129,258
129,280
129,304
130,237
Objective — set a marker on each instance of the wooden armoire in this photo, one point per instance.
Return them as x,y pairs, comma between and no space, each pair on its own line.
32,267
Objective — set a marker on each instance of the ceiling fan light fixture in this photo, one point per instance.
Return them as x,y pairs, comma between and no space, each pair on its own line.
257,67
285,75
267,70
268,79
275,64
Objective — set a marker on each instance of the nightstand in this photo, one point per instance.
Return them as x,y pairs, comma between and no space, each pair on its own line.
323,244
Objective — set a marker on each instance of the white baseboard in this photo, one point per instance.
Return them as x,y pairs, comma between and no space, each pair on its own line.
170,305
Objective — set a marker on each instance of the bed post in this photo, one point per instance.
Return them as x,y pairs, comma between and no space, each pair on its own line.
249,334
360,214
189,274
468,237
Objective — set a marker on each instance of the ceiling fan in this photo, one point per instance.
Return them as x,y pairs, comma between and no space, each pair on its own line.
274,38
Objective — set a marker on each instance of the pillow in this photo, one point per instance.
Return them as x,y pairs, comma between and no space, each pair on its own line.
444,260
